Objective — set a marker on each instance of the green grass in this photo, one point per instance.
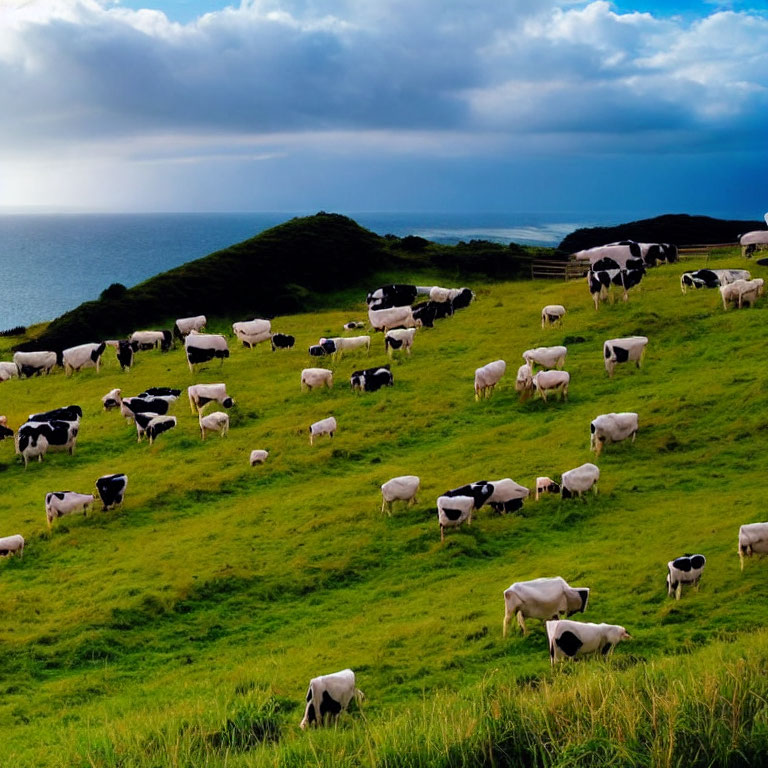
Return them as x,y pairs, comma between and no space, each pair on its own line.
183,629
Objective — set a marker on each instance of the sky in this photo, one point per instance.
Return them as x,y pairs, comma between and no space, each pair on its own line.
384,105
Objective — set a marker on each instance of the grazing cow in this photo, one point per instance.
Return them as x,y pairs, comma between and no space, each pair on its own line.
391,296
111,489
327,347
480,492
452,511
403,488
204,347
552,314
218,421
524,382
34,363
5,430
142,421
337,345
574,482
282,341
600,281
630,349
624,255
439,295
60,503
328,696
152,339
311,378
185,325
353,325
202,394
125,351
33,439
392,317
399,338
546,357
12,545
71,413
753,540
542,598
546,485
258,456
684,570
611,428
574,639
113,399
461,298
546,382
371,379
427,312
83,356
741,292
252,332
507,495
163,393
711,278
130,407
158,425
487,377
8,371
322,427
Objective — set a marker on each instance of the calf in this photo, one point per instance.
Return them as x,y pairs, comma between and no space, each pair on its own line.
753,540
152,339
542,598
218,421
574,639
111,490
546,485
399,338
452,511
258,456
371,379
82,356
202,394
12,545
545,382
34,439
630,349
282,341
322,427
311,378
328,696
62,503
611,428
487,377
574,482
403,488
252,332
204,347
552,314
353,325
546,357
684,570
185,325
34,363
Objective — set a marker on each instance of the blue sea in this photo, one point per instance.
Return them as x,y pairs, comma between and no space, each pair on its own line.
50,263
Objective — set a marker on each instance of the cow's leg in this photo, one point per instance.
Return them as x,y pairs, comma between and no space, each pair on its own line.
442,533
521,622
678,590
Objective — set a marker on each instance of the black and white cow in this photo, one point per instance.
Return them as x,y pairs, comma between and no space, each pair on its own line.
371,379
34,439
574,639
399,338
630,349
711,278
507,495
83,356
544,598
5,430
328,696
546,485
34,363
252,332
427,312
111,489
452,511
185,325
202,394
153,339
327,347
167,393
131,406
60,503
71,413
353,325
387,296
684,570
282,341
158,425
461,298
125,351
480,492
204,347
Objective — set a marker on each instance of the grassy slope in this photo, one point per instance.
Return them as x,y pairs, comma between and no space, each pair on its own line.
219,583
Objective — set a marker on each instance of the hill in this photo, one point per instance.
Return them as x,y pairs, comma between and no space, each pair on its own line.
680,229
183,629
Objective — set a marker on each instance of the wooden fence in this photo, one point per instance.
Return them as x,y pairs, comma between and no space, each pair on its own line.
691,251
549,269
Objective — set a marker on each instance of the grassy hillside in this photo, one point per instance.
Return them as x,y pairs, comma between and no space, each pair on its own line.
183,629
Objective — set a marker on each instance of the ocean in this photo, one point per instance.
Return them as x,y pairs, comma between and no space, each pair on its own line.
51,263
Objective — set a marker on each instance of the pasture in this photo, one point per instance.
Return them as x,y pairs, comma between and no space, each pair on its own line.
183,628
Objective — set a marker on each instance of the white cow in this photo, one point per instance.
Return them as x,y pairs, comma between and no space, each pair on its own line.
403,488
202,394
452,511
152,339
399,338
552,314
684,570
343,344
630,349
524,382
258,456
218,421
252,332
573,639
547,382
741,292
438,294
753,540
574,482
12,545
113,399
8,371
394,317
544,598
546,357
322,427
507,495
83,356
203,347
546,485
185,325
311,378
33,363
612,428
487,377
329,695
60,503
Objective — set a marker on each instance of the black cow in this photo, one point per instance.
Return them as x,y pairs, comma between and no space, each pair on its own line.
371,379
111,489
700,278
282,341
480,491
67,413
462,300
125,352
5,432
328,347
397,295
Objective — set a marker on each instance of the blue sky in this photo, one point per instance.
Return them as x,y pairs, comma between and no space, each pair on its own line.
389,105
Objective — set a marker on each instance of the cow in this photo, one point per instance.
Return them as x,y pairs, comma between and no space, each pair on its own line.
218,421
323,427
711,278
33,439
480,492
12,545
158,425
601,280
328,696
112,399
487,377
111,490
399,338
611,428
392,317
461,298
622,256
60,503
185,325
741,292
403,488
546,485
130,407
82,356
71,413
546,382
452,511
389,296
168,394
552,315
125,352
543,598
8,371
753,540
507,495
371,379
630,349
258,456
546,357
204,347
353,325
202,394
337,345
152,339
311,378
684,570
427,312
574,639
5,430
327,347
34,363
282,341
576,481
439,295
524,382
142,420
252,332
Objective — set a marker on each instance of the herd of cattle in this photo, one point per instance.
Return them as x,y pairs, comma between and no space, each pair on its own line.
392,310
